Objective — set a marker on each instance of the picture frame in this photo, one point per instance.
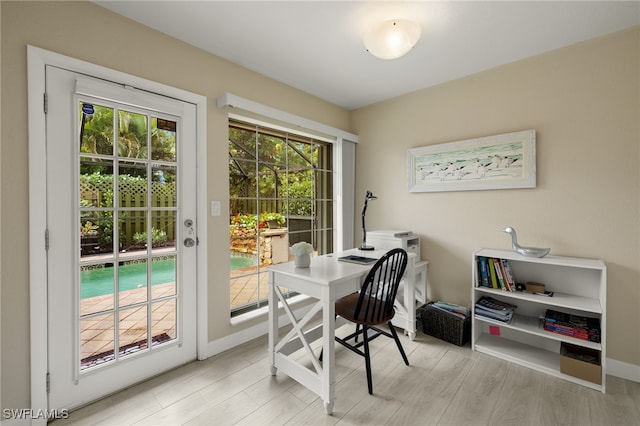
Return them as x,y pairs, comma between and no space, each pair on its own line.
504,161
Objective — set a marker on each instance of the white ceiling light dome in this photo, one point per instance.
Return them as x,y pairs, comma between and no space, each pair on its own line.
392,39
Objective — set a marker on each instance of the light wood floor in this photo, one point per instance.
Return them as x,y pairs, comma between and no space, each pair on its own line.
444,385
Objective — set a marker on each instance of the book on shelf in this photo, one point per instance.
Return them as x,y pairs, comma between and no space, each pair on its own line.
504,317
571,320
508,275
578,326
492,274
489,303
489,307
495,273
501,282
483,269
572,332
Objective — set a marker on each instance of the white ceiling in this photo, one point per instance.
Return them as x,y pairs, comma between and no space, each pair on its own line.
316,46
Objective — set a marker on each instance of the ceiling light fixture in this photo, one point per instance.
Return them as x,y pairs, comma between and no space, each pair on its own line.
392,39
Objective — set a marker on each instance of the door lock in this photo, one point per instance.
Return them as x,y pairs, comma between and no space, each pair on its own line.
188,230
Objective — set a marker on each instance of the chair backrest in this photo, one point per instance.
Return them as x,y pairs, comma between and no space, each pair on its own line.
378,293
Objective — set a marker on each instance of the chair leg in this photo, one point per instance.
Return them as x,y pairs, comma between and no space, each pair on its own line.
395,337
367,359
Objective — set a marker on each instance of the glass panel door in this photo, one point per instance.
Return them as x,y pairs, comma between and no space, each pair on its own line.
121,185
128,220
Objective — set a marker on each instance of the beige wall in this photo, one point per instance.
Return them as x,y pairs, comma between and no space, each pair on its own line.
583,102
90,33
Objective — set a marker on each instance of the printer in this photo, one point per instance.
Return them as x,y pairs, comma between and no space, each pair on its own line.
405,306
388,239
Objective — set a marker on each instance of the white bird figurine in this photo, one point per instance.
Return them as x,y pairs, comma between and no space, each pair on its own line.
525,251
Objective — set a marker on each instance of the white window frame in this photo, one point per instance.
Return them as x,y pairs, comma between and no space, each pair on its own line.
242,109
343,155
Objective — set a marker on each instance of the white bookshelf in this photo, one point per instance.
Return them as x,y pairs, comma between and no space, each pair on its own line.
579,287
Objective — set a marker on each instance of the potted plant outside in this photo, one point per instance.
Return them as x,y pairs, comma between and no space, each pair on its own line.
273,220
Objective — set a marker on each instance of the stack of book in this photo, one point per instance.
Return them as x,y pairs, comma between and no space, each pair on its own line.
577,326
494,309
495,273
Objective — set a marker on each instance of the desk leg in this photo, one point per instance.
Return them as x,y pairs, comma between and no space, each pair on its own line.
328,407
328,357
410,301
272,324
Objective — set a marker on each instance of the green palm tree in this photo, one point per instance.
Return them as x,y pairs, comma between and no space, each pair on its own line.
132,135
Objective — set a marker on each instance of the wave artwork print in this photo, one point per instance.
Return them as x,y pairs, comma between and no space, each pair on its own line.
495,162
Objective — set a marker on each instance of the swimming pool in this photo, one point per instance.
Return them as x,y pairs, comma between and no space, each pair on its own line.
239,262
100,281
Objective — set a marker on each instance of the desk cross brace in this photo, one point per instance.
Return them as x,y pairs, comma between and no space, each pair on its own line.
298,329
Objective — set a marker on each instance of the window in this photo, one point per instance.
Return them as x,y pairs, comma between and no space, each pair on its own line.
281,192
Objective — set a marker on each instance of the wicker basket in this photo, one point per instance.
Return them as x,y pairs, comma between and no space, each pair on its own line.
446,327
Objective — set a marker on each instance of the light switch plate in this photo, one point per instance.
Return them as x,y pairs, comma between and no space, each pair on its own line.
215,208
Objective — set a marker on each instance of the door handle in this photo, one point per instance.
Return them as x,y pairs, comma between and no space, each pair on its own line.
188,227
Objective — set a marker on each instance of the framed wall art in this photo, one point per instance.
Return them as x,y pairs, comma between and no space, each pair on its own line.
493,162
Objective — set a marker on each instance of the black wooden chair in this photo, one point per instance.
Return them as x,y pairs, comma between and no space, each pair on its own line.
373,306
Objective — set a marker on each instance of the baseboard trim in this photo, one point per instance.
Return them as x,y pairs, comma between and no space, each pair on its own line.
29,417
243,336
624,370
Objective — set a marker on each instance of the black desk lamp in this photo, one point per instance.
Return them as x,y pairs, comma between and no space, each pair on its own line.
367,197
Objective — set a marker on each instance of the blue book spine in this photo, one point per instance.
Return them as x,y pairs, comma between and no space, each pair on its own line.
484,271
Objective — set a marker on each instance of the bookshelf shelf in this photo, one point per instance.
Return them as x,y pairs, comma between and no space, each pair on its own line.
560,300
579,288
529,325
547,362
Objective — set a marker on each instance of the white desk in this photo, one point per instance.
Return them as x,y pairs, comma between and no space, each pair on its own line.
326,280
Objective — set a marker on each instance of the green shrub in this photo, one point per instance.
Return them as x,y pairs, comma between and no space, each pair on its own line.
158,237
266,217
244,220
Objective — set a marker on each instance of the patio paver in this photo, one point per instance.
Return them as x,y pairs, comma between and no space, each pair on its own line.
97,333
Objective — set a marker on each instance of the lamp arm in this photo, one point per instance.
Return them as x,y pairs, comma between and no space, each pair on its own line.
364,229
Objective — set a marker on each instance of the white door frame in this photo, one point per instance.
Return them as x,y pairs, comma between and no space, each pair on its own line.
37,59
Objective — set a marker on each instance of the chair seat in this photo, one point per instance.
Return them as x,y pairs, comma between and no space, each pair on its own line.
346,307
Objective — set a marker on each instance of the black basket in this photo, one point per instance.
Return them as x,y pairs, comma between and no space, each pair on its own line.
444,326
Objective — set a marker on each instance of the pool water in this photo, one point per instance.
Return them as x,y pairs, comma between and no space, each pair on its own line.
239,262
100,281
